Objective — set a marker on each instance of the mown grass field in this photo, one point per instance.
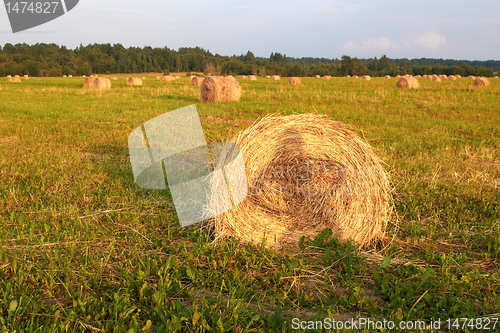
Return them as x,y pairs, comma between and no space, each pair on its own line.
82,248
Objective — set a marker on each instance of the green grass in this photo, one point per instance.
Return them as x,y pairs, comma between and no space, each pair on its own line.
85,249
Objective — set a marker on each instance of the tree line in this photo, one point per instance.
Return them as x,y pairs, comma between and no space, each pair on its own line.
53,60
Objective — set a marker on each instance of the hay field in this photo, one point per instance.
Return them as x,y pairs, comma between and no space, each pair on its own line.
82,248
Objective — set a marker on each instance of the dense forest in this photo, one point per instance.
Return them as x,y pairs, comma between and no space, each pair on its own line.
54,60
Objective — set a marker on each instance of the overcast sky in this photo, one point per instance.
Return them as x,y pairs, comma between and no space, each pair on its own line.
450,29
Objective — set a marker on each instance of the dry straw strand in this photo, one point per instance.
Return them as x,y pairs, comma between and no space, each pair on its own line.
294,81
305,173
407,82
216,89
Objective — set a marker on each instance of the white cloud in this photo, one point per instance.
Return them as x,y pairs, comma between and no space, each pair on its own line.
431,41
371,44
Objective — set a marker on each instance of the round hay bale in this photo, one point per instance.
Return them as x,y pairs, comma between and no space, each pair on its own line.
406,75
481,81
294,81
418,76
275,77
327,77
16,75
398,76
167,78
65,76
134,81
443,76
251,78
242,76
407,82
305,173
115,78
26,77
387,76
366,78
458,76
9,76
496,77
159,77
14,79
435,78
354,76
70,75
268,76
177,77
452,77
471,77
83,76
144,78
89,82
215,89
317,76
197,80
91,75
101,83
348,75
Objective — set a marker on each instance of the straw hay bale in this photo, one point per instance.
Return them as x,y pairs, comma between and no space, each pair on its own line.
101,83
398,76
406,75
144,78
197,80
471,77
268,76
316,76
14,79
159,77
177,77
443,76
242,76
91,75
115,78
167,78
458,76
481,81
327,77
348,75
251,78
26,77
305,173
216,89
496,77
354,76
407,82
89,82
366,78
435,78
294,81
9,76
65,76
134,81
70,75
275,77
418,75
452,77
387,76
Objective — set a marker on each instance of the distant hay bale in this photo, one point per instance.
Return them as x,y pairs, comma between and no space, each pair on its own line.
366,78
16,75
443,76
9,76
70,75
144,78
496,77
458,76
159,77
215,89
327,77
134,81
418,76
407,82
294,81
348,75
387,76
101,83
197,80
242,76
406,75
177,77
91,75
26,77
398,76
275,77
83,76
115,78
65,76
167,78
316,76
481,81
14,79
251,78
425,76
452,77
435,78
89,82
471,77
305,173
268,76
354,76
